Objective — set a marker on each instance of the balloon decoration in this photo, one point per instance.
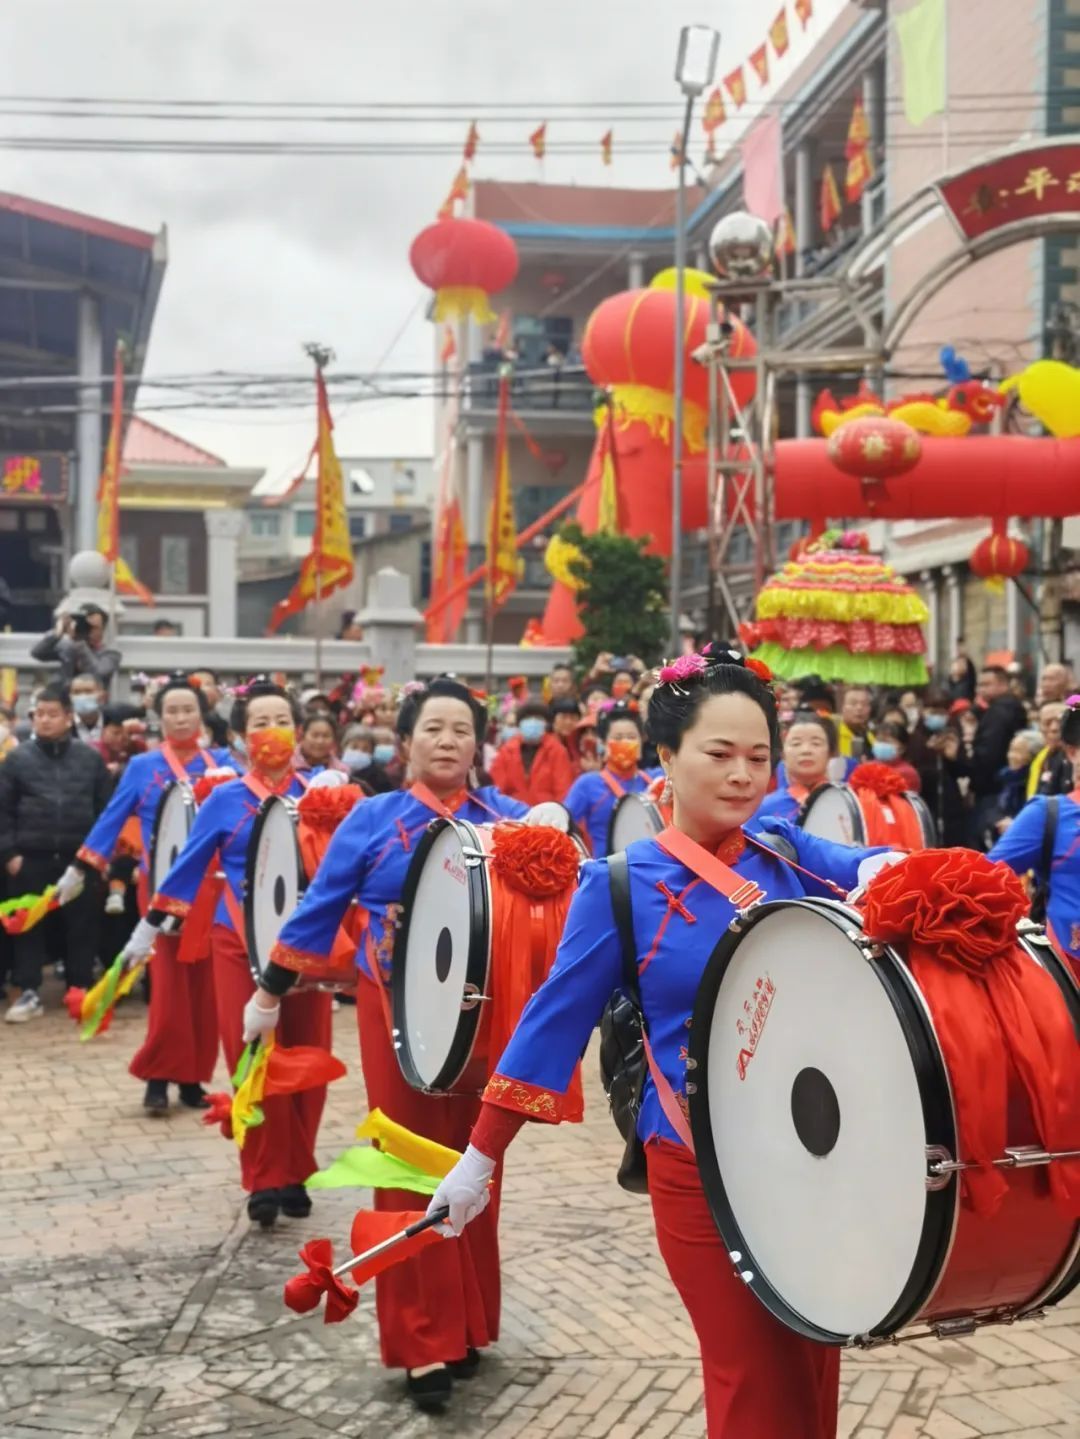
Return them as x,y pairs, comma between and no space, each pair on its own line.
1051,391
842,613
464,262
966,404
999,557
629,349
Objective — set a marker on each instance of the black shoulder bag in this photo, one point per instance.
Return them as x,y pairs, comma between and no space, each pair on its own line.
1040,898
623,1064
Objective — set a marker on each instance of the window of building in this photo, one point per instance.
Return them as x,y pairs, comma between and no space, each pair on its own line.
357,527
532,501
129,552
400,523
304,524
175,565
264,524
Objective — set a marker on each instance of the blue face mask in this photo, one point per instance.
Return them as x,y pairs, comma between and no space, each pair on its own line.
84,704
533,730
885,751
357,758
509,731
935,723
384,753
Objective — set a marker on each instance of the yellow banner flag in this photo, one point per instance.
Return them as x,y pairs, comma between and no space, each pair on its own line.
108,494
503,566
329,565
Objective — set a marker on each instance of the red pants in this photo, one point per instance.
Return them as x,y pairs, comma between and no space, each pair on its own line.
181,1031
446,1300
281,1150
762,1381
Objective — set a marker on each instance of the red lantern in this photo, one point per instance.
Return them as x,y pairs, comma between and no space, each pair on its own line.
464,262
875,447
630,340
999,557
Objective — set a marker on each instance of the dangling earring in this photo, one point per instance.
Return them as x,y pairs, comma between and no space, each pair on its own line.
667,794
473,779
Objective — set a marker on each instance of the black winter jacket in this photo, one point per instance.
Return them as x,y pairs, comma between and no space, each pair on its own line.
51,792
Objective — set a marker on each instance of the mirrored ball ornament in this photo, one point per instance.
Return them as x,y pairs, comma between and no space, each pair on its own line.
741,247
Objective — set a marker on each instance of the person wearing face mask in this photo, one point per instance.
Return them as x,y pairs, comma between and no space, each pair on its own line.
357,751
181,1032
87,699
437,1310
809,745
534,766
890,748
911,708
279,1154
592,797
714,722
934,741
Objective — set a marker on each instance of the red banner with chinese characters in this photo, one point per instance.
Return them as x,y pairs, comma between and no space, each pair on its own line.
1043,180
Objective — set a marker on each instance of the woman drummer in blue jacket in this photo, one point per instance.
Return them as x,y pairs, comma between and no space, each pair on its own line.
714,722
592,797
437,1310
1044,840
181,1032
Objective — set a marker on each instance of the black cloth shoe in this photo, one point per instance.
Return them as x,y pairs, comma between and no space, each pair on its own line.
262,1207
430,1392
295,1201
156,1098
193,1096
467,1367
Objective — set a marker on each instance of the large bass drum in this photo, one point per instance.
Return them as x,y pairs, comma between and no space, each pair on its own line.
832,812
172,824
274,878
448,984
824,1125
635,816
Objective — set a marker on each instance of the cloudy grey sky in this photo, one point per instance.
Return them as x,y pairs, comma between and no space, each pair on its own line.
265,253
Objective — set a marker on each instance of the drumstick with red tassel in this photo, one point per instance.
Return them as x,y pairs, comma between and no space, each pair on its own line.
303,1292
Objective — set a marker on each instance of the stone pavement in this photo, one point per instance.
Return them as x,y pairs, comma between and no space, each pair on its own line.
136,1302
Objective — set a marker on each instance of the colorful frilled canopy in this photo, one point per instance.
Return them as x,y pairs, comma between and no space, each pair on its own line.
840,612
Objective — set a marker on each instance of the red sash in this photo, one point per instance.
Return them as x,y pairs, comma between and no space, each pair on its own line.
169,755
617,789
420,791
718,875
263,791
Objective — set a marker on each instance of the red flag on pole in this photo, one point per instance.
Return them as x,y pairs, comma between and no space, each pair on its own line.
860,168
735,85
830,206
108,494
606,142
448,353
759,59
714,114
778,33
804,9
785,234
472,140
329,564
538,140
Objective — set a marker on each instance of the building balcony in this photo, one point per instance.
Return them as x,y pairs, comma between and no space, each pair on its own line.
550,399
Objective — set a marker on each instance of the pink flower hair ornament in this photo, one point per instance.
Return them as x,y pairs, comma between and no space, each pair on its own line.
1073,702
686,667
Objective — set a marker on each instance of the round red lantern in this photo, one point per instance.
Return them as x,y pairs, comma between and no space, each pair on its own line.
464,262
630,340
999,557
875,447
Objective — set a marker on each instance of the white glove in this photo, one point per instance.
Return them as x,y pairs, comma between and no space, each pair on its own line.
875,863
258,1021
465,1190
328,779
70,884
220,771
140,943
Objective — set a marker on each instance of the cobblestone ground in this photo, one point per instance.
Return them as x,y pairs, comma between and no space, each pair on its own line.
135,1301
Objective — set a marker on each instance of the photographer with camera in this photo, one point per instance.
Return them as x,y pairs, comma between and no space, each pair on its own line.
77,645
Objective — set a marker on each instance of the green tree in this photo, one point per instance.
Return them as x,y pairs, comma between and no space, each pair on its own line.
623,599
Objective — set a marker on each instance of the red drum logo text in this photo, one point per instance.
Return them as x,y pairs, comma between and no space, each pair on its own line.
454,870
756,1011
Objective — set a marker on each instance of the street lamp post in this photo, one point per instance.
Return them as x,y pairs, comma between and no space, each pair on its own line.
695,67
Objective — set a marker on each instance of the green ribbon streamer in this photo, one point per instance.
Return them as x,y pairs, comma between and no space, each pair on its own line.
364,1167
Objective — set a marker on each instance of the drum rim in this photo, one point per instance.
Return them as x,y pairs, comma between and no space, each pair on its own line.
191,809
854,808
645,801
939,1119
925,818
477,962
1044,954
266,806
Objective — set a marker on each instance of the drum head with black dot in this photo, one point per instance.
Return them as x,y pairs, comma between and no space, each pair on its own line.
274,879
172,825
810,1120
441,948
